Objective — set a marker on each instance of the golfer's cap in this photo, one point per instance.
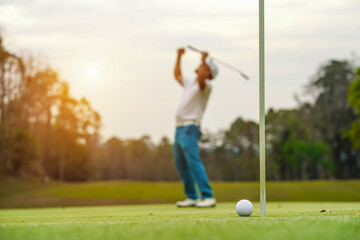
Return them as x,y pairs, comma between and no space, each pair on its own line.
213,68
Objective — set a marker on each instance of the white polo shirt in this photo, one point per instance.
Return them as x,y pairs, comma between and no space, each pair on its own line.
193,101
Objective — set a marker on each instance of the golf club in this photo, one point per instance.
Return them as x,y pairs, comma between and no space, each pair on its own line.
220,62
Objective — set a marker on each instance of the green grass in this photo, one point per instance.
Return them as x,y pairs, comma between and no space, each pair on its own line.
284,220
16,193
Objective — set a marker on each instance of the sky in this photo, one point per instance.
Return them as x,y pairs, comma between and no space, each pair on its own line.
120,54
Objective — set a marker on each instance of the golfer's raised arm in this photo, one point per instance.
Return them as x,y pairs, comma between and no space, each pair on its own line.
177,70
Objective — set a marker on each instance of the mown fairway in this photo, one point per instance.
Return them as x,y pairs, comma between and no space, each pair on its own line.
285,220
16,193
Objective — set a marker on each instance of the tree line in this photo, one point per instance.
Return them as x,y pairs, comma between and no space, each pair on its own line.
47,133
44,131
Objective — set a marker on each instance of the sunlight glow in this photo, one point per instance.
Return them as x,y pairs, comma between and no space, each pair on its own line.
92,72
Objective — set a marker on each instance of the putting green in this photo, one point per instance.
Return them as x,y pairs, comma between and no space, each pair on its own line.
284,220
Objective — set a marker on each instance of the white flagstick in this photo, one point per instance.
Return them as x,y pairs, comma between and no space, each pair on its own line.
262,109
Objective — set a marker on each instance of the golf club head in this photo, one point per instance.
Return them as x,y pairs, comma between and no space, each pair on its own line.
244,76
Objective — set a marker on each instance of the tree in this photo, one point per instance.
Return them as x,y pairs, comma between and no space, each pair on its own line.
332,115
163,163
110,160
354,101
306,157
74,125
41,123
38,100
281,126
22,153
11,80
233,154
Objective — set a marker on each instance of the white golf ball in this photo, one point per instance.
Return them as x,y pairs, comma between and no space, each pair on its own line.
244,208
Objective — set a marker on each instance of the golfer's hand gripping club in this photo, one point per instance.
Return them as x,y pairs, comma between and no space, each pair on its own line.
181,51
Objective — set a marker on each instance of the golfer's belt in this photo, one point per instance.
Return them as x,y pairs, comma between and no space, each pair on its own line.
183,123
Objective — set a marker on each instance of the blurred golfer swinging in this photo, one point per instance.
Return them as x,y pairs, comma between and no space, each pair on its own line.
188,117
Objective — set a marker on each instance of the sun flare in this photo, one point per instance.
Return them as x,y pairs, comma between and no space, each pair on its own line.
92,72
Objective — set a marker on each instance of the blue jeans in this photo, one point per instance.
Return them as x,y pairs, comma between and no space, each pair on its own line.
188,162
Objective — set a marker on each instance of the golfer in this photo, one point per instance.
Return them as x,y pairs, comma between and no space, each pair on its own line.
188,117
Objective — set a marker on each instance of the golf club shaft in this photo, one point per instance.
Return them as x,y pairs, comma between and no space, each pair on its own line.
221,62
